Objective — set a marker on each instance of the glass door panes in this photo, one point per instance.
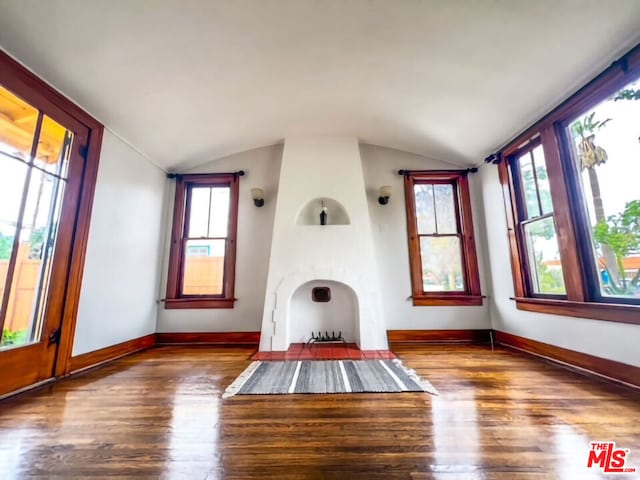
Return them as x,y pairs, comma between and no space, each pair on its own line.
606,151
34,154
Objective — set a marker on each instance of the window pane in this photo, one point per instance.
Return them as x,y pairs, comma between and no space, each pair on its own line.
54,146
12,176
204,267
544,257
529,186
544,190
17,125
25,314
445,209
219,217
199,213
606,149
441,264
425,214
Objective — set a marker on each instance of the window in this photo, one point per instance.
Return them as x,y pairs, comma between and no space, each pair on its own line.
203,242
444,267
573,202
536,225
605,151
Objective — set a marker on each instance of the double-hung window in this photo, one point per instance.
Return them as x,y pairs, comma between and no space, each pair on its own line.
203,242
536,227
444,267
572,197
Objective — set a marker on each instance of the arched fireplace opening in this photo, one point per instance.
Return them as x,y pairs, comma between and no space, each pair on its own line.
309,315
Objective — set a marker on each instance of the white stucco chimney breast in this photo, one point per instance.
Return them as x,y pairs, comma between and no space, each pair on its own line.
315,171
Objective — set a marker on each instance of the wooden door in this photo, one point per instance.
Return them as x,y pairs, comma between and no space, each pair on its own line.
43,167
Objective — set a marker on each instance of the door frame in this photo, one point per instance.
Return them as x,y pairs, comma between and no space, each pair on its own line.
36,92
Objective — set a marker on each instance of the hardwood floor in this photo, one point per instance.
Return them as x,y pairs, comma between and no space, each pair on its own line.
158,414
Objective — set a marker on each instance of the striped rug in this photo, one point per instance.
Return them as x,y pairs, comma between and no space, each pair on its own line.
327,376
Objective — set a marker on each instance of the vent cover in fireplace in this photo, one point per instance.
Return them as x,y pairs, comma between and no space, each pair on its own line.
321,294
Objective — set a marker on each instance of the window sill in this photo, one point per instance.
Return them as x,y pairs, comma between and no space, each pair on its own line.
612,312
184,303
447,300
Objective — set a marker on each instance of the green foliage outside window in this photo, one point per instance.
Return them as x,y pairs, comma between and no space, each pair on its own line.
621,233
617,235
6,242
19,337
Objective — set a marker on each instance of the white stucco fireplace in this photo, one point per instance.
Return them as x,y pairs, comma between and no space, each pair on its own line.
316,173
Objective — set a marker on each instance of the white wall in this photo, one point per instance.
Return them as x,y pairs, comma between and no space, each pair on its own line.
255,225
119,287
389,224
255,228
615,341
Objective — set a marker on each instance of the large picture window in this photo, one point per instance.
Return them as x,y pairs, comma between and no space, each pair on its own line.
444,267
203,243
605,151
573,202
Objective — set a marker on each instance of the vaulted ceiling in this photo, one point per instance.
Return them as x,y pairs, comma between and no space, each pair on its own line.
189,81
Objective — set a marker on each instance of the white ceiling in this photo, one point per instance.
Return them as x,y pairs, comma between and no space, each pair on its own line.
189,81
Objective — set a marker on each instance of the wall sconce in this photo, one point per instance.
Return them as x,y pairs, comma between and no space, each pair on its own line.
384,194
258,196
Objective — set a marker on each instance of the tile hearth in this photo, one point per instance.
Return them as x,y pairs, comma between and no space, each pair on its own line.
324,351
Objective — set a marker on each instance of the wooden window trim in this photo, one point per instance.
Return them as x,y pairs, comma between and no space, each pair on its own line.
520,217
612,312
582,301
612,78
471,296
174,299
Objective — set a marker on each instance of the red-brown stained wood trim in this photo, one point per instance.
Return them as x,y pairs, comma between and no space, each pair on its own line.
81,239
614,77
17,368
232,239
435,300
212,338
567,215
439,336
412,234
176,251
67,268
612,370
612,312
469,256
107,354
186,303
571,266
517,269
42,96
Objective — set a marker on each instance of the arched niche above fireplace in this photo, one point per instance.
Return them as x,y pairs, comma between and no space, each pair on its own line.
310,213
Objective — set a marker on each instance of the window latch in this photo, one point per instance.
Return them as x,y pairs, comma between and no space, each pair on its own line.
54,337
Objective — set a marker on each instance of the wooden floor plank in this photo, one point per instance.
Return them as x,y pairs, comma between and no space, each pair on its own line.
159,414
